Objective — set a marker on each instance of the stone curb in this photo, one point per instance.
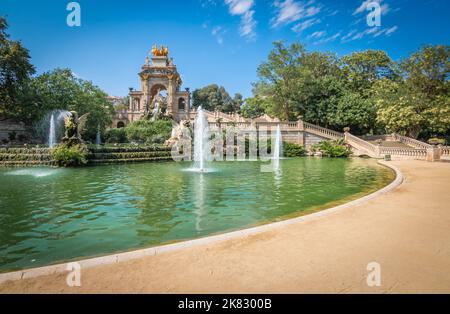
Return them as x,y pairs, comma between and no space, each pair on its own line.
122,257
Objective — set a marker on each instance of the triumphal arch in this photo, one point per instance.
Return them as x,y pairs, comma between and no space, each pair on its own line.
160,92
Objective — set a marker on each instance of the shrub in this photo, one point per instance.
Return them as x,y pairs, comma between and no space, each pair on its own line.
146,131
332,149
70,156
436,141
116,136
292,150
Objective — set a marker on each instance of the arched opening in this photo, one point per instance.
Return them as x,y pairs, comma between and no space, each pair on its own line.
120,124
181,104
158,88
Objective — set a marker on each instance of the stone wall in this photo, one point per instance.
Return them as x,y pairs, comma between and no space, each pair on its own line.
311,139
8,127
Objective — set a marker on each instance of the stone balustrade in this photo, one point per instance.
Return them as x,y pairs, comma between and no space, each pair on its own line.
318,130
360,144
404,153
410,141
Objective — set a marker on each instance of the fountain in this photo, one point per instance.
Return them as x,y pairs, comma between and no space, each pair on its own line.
202,151
56,117
51,133
98,137
278,145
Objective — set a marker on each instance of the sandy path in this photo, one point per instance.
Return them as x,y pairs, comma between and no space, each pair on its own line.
406,231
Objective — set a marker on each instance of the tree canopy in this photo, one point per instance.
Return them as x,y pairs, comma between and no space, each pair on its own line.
214,97
15,73
366,91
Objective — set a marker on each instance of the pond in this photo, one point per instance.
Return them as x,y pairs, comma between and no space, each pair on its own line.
50,215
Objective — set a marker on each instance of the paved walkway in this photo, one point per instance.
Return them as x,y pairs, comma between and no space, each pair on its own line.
406,231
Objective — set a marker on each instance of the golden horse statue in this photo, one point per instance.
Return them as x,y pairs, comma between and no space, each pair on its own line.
163,52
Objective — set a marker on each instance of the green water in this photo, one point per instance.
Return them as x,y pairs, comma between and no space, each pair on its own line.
52,215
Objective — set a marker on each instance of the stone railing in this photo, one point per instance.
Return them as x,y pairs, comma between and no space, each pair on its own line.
409,153
362,145
410,141
445,150
323,132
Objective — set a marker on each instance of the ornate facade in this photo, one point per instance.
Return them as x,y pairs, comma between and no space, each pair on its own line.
157,75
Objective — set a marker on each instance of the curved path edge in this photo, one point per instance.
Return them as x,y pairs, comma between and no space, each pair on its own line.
126,256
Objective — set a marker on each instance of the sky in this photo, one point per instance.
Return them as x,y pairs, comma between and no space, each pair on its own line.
212,41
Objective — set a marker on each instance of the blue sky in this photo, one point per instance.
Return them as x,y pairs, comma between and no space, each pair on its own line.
212,41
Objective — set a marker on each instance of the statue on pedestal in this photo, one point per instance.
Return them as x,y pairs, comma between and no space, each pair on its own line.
74,127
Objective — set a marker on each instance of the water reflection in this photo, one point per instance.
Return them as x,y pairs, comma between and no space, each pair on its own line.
199,201
76,213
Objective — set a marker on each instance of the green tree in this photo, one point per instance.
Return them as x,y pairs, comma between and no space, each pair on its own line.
15,72
214,97
418,104
357,106
278,79
363,69
253,107
427,70
60,89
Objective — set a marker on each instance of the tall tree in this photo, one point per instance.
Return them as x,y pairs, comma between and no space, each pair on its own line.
278,78
15,72
253,107
418,105
214,97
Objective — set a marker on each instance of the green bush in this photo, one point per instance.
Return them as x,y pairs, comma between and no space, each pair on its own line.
70,156
436,141
292,150
116,136
149,132
332,149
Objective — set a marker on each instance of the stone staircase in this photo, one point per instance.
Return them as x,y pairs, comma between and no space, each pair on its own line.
397,147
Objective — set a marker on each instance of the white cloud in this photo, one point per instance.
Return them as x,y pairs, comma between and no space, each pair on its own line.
289,11
333,13
298,28
349,35
243,8
374,31
239,7
328,39
317,34
391,30
248,25
218,32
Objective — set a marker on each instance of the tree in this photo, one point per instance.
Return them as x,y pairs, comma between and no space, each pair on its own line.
214,97
363,69
238,101
354,111
60,89
278,79
427,70
15,72
418,104
253,107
